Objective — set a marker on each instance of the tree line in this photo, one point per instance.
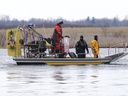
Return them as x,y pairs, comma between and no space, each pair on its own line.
6,22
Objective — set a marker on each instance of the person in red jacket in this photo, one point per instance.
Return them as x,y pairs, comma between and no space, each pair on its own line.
57,38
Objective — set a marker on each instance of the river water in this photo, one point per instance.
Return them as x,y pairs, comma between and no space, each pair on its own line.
73,80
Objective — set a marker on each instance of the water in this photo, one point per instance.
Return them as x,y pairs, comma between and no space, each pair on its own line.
44,80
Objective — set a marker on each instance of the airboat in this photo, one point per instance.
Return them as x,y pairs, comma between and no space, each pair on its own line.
28,47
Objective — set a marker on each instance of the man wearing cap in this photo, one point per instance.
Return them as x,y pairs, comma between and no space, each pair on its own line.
80,46
57,37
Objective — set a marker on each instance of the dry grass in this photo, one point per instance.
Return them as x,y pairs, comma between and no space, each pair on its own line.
107,36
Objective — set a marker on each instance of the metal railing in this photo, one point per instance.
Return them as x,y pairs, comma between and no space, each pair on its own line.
117,49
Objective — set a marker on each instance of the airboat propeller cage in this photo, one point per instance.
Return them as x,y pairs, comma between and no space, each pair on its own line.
13,44
66,43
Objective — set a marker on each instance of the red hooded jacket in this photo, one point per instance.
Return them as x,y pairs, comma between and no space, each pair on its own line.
57,36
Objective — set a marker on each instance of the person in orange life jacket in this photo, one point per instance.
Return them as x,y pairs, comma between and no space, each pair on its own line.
80,46
57,37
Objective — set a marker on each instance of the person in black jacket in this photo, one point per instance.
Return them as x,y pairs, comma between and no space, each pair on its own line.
80,46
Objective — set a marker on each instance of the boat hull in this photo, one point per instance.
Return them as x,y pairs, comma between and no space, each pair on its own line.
61,61
68,61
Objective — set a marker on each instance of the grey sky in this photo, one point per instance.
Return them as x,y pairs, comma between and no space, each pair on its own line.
68,9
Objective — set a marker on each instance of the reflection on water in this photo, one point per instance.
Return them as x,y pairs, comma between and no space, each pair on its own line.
88,80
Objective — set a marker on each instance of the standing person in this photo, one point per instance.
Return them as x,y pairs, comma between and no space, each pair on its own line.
57,38
80,46
95,46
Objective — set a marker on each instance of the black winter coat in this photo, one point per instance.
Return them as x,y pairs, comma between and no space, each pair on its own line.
80,46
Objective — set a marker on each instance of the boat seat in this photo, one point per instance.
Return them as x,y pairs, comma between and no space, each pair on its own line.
72,55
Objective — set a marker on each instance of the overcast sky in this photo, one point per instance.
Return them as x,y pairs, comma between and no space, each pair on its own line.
67,9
